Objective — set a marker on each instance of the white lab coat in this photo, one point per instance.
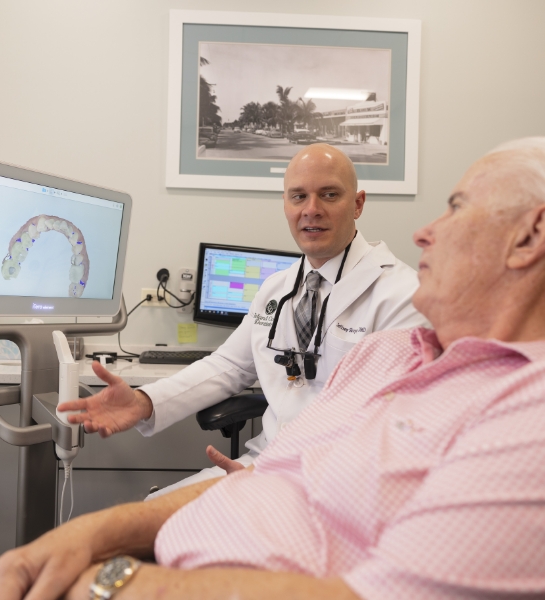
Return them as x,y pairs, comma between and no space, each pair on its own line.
373,294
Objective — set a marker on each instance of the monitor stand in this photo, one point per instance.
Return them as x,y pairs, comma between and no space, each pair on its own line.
38,471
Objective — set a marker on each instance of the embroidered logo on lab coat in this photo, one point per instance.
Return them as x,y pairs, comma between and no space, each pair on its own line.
271,307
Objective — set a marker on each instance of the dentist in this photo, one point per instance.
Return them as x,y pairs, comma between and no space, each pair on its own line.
301,323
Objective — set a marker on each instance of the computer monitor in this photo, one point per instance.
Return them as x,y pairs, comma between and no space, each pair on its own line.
63,245
228,278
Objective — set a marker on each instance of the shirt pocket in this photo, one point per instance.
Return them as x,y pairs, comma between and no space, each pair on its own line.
340,345
333,350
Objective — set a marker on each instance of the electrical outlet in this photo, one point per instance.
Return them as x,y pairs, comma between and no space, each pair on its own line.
153,302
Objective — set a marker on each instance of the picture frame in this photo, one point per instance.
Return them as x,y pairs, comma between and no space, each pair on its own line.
233,121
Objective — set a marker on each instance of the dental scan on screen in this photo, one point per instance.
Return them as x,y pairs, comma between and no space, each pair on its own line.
57,243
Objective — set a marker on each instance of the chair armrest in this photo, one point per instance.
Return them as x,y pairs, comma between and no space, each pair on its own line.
231,411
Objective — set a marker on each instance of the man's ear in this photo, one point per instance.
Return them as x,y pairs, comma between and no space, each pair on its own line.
360,201
529,246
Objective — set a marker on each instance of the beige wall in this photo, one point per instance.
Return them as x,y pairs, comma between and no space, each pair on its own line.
83,94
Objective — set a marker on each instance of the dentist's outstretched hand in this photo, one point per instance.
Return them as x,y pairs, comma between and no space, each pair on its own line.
116,408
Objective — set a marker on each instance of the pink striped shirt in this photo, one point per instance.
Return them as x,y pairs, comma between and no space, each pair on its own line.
414,474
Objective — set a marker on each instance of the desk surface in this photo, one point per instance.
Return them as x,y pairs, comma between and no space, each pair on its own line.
133,373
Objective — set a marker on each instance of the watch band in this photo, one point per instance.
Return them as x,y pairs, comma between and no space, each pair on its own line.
112,576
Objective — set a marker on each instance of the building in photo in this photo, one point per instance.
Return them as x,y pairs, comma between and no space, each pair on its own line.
367,122
360,123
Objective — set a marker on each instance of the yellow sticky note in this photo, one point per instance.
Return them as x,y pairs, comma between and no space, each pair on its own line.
187,333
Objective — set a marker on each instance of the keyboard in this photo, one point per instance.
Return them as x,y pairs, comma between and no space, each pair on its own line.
166,357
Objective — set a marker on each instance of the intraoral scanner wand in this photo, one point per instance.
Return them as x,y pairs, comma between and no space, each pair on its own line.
68,390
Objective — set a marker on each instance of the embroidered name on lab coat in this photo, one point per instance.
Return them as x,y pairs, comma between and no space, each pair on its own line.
266,321
351,329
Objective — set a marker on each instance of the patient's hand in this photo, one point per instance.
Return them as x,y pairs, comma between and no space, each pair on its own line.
44,569
61,559
222,461
116,408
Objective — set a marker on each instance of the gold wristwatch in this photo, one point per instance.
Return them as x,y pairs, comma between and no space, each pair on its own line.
114,574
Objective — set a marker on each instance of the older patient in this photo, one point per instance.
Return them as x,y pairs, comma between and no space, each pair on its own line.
444,493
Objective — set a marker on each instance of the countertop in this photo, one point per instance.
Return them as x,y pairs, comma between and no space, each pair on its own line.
133,373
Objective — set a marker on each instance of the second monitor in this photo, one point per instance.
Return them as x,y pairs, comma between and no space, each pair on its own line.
228,278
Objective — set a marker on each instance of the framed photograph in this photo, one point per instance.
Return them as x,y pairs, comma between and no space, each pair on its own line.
248,90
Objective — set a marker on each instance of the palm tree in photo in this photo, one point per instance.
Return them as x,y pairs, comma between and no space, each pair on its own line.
287,108
251,114
283,94
306,112
270,111
208,109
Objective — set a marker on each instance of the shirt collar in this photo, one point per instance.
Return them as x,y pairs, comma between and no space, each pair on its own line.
533,351
425,343
330,269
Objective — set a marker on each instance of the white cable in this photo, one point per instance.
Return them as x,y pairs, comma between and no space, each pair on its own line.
67,475
62,495
71,494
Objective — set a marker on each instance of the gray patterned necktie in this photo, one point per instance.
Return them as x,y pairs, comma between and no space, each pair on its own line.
305,313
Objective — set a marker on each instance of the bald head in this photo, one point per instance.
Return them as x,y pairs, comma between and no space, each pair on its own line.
321,202
510,179
330,157
521,162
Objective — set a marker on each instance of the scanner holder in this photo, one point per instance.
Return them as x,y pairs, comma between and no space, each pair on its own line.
49,427
39,428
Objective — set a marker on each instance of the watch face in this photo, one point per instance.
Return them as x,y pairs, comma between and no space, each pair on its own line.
114,570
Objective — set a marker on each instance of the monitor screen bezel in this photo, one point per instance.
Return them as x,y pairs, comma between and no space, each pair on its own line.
226,320
29,306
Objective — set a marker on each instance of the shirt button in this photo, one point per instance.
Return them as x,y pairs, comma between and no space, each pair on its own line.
389,396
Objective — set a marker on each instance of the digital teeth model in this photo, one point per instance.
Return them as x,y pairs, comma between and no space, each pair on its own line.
23,240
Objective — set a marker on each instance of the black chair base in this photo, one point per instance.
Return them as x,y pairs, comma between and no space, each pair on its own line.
231,415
